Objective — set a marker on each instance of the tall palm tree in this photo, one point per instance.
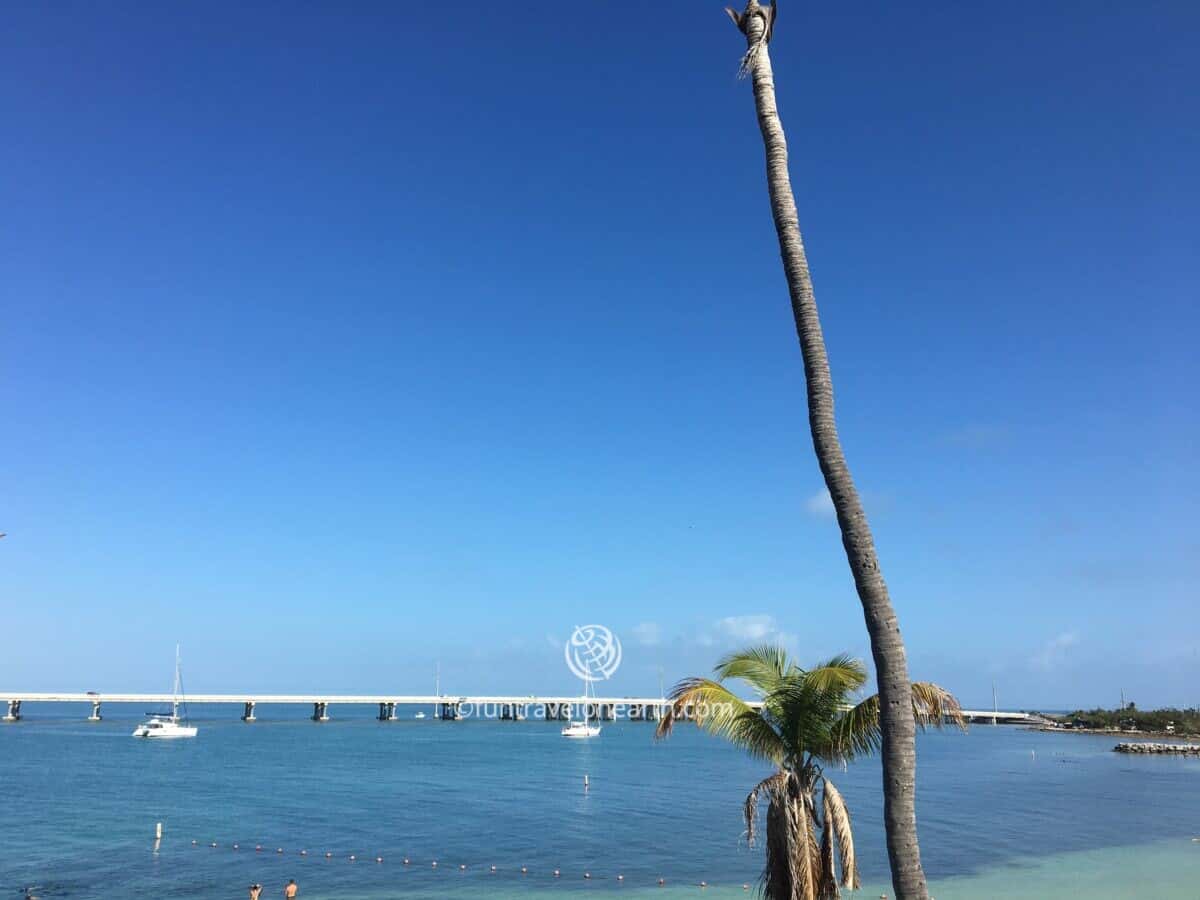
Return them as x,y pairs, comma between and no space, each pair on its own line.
897,725
804,721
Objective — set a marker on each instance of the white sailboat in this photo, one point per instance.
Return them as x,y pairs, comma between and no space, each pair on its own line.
583,728
163,726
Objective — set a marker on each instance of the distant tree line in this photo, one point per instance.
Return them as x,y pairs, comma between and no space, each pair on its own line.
1180,721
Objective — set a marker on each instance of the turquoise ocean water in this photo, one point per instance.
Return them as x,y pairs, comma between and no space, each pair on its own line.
1004,812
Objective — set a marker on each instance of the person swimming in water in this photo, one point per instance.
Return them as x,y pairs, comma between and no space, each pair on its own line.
291,890
255,891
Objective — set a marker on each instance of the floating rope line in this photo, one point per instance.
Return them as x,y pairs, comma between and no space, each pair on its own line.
619,878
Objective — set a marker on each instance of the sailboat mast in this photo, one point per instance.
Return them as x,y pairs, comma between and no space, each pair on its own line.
175,687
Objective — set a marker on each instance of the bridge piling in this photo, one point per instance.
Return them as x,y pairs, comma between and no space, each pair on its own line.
320,711
248,711
14,711
95,716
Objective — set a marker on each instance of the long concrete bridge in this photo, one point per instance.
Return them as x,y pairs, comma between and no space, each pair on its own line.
453,707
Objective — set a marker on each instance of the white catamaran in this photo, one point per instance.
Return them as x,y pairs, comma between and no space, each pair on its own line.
172,724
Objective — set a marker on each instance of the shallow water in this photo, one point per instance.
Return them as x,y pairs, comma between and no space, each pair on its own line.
1004,812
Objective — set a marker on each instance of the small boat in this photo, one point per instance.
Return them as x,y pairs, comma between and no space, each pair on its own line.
419,715
581,729
163,726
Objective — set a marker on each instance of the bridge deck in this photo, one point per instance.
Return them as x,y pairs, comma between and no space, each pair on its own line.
374,699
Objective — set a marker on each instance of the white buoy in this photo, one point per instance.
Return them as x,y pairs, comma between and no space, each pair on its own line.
585,783
158,831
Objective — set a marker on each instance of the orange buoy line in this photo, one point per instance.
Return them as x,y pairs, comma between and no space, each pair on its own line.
462,867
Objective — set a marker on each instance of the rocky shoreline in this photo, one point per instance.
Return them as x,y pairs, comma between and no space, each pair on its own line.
1154,747
1058,729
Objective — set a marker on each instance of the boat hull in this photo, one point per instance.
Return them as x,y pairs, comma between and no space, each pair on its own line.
578,731
165,734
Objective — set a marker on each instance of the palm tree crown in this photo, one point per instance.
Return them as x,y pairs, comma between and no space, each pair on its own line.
803,720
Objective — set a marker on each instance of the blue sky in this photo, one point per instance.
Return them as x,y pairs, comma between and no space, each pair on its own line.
341,342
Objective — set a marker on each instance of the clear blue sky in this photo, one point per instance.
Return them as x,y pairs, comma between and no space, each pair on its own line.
341,341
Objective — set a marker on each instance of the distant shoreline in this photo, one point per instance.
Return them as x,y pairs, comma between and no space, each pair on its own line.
1125,733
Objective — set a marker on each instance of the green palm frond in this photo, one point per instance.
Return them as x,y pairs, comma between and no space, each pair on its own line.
764,667
719,711
857,730
841,674
804,714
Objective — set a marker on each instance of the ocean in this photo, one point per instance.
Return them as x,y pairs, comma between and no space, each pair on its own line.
1004,812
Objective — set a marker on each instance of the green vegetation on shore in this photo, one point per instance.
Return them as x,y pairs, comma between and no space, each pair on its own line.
1164,721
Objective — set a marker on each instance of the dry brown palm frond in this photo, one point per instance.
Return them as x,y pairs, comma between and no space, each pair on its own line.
666,723
790,870
804,881
827,886
814,845
773,785
934,705
779,870
837,820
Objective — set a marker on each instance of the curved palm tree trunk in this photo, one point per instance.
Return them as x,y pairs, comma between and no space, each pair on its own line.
895,714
